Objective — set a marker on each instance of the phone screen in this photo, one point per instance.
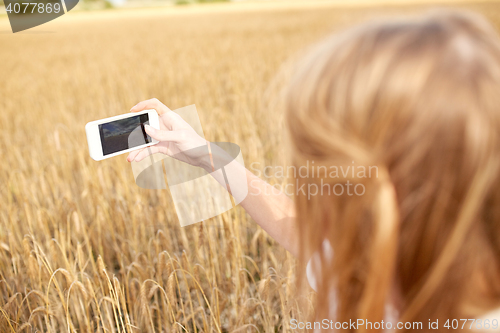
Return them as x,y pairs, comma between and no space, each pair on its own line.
115,135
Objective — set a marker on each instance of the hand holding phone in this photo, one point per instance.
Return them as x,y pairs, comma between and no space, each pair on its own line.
175,136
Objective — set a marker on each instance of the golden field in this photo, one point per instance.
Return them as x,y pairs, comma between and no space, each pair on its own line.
82,248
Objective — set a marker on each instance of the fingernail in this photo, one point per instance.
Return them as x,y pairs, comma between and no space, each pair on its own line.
147,127
133,107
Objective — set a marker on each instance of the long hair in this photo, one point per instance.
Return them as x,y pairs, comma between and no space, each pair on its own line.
406,115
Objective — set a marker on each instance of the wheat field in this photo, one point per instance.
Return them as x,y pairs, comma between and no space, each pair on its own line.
82,248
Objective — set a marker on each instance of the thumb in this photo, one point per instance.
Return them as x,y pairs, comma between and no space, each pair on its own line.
161,135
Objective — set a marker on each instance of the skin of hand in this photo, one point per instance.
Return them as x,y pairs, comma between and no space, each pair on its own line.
176,137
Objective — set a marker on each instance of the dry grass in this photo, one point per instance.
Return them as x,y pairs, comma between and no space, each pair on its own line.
84,249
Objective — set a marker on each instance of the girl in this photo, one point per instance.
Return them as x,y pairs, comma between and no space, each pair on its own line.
419,100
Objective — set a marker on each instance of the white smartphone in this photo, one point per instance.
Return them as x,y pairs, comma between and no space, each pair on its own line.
120,134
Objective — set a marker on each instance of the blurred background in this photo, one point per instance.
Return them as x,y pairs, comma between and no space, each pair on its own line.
82,248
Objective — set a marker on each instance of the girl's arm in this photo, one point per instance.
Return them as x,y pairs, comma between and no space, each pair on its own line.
273,211
269,207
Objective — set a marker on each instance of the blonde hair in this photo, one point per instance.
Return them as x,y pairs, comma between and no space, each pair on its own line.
419,99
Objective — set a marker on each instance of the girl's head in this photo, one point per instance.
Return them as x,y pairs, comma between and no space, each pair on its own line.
413,108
